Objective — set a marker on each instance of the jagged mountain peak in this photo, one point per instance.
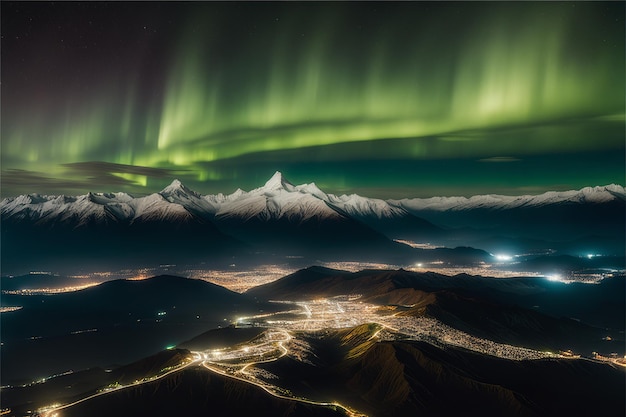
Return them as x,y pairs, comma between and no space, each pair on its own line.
176,183
313,190
178,188
278,182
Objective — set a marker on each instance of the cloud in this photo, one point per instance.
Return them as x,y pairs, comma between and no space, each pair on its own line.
81,177
100,168
19,181
21,177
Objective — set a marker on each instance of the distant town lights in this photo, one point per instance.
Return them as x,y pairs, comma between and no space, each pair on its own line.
503,257
554,277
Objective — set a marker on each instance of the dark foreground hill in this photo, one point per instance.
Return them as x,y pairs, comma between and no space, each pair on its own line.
527,312
71,387
191,391
197,392
354,368
112,323
405,378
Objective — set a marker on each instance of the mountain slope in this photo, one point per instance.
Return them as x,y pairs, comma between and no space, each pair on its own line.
591,195
116,322
397,378
178,225
197,392
474,305
107,231
568,220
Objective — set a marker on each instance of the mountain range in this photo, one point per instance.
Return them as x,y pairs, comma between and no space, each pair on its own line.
530,312
354,366
181,225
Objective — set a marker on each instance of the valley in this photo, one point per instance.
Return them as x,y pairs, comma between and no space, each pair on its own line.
330,324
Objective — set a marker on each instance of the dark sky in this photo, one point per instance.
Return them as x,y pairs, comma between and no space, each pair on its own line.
399,99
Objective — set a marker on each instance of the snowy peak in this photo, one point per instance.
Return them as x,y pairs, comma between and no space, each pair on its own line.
587,195
313,190
177,188
177,193
358,206
276,199
278,182
155,207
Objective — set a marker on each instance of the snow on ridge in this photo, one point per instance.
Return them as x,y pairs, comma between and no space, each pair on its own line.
221,198
156,207
312,189
277,198
597,194
177,188
178,193
355,205
276,182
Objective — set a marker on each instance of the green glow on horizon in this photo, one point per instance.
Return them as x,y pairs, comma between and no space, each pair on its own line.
284,91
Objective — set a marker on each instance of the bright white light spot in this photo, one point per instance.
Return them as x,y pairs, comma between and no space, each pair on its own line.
590,255
419,265
503,257
554,277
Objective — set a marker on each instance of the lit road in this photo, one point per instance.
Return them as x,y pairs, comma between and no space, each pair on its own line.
271,390
232,363
54,410
279,339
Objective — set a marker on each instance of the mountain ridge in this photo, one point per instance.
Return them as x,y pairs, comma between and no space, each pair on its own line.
299,220
354,204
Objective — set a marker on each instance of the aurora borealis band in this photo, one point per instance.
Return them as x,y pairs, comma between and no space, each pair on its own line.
385,99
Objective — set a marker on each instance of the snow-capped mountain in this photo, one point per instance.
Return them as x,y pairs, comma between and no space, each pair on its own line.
355,205
592,195
278,199
280,217
188,199
277,217
80,211
92,208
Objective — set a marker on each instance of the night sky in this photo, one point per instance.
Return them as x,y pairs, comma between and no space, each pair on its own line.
408,99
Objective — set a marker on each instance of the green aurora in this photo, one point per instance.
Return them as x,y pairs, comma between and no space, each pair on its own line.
397,99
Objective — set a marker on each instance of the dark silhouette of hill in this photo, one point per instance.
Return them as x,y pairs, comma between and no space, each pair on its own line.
353,367
510,324
197,392
401,225
28,245
565,220
337,237
416,378
114,322
485,307
570,227
74,386
220,338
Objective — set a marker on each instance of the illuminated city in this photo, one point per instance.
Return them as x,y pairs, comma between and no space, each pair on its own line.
320,209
